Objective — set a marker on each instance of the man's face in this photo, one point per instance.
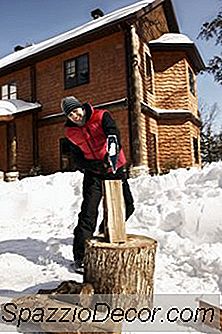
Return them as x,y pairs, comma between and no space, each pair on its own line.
76,115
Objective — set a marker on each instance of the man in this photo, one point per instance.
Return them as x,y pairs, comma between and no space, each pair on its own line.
96,150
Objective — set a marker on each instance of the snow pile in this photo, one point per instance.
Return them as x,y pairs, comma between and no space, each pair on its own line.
186,202
181,210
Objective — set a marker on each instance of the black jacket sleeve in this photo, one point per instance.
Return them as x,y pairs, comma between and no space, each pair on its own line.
110,127
76,155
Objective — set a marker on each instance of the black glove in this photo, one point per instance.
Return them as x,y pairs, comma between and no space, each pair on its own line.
106,161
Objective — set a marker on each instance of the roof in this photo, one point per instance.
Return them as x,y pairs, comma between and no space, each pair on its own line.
12,107
177,40
87,27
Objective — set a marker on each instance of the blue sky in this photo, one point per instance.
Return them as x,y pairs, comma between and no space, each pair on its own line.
31,21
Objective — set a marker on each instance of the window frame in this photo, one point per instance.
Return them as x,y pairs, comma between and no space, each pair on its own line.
9,95
68,85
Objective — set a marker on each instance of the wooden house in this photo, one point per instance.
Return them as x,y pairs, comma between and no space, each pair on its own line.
133,62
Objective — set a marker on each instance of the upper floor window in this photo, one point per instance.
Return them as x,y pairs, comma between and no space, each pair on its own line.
76,71
9,91
149,73
191,81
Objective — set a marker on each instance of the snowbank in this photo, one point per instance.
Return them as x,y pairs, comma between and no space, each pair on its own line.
181,210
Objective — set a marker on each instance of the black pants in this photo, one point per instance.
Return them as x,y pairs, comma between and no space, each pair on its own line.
92,194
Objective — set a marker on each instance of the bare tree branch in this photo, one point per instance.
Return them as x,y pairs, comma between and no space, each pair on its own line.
213,30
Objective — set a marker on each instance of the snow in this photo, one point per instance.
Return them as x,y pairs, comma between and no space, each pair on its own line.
5,112
181,210
10,107
172,38
89,26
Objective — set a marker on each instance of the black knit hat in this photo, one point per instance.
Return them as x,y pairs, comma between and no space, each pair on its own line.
69,103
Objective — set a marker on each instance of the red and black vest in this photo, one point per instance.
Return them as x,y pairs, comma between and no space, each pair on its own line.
91,139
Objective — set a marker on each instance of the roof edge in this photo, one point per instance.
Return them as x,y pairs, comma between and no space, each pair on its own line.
66,44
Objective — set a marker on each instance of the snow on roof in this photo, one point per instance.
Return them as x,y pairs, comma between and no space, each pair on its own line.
89,26
172,38
10,107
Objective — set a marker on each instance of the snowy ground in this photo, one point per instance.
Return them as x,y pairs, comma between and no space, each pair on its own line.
181,210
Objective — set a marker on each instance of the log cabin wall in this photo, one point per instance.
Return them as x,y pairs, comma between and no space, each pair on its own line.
166,85
174,144
170,80
24,143
149,27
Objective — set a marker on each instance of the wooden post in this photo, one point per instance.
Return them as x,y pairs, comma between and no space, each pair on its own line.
12,146
134,96
12,174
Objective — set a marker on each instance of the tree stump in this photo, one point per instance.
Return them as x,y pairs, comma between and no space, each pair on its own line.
125,268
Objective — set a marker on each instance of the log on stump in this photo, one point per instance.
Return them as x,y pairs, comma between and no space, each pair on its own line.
125,268
114,211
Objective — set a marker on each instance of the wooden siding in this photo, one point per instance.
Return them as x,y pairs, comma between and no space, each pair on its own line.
174,145
24,143
107,75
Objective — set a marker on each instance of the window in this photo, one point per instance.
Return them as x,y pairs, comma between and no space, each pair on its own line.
76,71
196,150
149,73
9,91
191,81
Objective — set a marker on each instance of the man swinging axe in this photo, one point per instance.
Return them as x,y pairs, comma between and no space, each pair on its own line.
97,151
